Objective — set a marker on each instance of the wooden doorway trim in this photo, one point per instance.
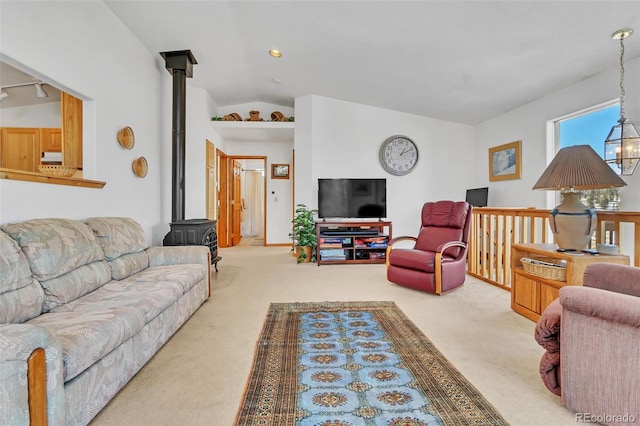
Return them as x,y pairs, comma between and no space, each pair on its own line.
210,174
223,198
264,185
237,202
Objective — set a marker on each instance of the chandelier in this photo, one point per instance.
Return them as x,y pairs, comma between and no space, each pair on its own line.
622,146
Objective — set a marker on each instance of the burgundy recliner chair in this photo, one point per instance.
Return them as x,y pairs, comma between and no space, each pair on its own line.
437,261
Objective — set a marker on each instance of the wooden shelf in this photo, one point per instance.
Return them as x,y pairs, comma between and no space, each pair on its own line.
255,131
350,244
12,174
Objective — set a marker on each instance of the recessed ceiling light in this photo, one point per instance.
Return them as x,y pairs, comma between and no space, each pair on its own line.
275,53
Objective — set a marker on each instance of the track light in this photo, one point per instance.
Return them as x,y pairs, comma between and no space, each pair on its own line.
38,84
40,91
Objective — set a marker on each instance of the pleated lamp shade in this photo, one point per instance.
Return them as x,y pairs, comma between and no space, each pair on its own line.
575,168
578,167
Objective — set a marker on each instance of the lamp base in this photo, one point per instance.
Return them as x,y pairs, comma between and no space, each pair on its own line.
573,223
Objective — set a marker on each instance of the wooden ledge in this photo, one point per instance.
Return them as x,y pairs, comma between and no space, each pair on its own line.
12,174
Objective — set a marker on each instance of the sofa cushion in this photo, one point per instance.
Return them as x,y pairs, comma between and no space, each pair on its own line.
87,336
20,305
14,269
149,298
118,235
413,259
128,264
76,283
21,296
54,247
186,275
93,325
442,221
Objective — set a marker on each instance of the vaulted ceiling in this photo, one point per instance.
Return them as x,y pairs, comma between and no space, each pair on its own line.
463,61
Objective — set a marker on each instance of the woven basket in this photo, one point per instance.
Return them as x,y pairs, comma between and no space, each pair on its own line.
59,171
545,267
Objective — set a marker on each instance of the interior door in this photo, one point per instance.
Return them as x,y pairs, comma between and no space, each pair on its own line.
223,199
236,203
211,181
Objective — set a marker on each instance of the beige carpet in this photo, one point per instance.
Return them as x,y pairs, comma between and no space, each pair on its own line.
199,376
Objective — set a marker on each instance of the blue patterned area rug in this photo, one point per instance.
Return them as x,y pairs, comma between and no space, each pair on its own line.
354,364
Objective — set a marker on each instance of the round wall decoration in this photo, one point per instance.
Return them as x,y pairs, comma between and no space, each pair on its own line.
139,167
126,137
398,155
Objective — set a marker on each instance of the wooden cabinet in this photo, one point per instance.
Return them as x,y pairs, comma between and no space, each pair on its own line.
20,148
51,140
352,242
531,294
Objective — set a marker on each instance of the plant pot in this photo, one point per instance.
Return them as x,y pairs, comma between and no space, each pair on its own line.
307,254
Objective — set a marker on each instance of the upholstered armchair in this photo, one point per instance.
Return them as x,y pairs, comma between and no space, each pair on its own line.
437,261
591,334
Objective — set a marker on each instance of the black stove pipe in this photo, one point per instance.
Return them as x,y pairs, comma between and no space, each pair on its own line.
180,65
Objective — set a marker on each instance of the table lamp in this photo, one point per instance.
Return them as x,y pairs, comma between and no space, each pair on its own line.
575,168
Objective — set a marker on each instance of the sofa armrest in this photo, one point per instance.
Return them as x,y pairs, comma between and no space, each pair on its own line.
607,305
547,334
547,331
17,343
609,276
599,355
176,255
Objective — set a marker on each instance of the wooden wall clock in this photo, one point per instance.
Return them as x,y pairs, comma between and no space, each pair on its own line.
398,155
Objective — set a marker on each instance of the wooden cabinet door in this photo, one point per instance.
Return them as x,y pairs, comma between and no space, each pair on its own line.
526,292
20,148
547,295
51,140
71,109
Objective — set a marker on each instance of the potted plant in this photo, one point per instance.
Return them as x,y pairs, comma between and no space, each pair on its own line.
303,233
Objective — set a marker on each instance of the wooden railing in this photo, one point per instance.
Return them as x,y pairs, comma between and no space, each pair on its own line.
494,230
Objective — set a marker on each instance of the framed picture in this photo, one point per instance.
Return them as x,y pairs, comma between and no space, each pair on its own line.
279,171
505,161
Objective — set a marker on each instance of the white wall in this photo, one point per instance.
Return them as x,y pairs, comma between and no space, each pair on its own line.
38,115
528,123
279,191
199,110
344,139
81,47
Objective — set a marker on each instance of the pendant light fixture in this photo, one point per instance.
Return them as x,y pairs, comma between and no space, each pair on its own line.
622,146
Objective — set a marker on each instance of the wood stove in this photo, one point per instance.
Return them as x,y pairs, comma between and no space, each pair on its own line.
184,231
194,232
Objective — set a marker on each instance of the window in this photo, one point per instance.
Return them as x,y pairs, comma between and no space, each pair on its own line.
591,127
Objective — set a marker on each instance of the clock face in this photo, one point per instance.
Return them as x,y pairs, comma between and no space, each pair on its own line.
398,155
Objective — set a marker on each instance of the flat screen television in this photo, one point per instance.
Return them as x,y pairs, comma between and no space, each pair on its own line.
477,197
352,198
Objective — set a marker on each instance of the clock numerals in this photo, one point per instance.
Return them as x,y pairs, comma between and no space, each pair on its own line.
398,155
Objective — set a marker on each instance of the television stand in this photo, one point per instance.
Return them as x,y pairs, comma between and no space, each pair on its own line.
341,242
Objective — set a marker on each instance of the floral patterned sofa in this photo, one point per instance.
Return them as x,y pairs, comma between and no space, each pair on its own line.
98,300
